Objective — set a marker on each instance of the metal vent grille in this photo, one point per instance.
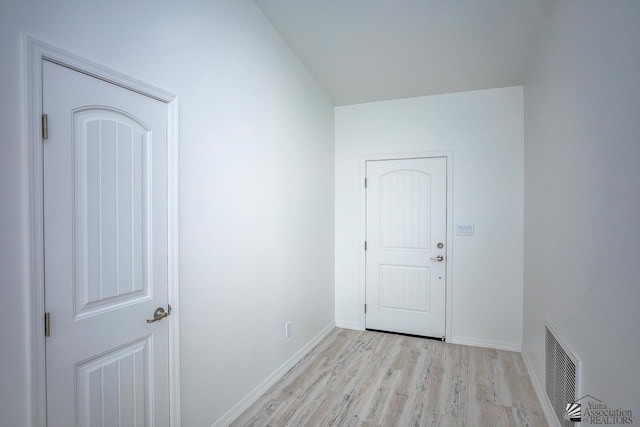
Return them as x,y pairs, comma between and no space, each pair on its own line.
561,374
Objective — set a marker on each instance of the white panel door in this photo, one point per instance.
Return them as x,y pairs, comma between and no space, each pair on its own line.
105,229
406,219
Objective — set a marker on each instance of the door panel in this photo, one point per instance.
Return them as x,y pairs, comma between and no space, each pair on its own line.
105,229
112,155
113,387
405,288
406,219
404,210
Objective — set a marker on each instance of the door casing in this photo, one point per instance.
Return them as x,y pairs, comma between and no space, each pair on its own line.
35,52
447,154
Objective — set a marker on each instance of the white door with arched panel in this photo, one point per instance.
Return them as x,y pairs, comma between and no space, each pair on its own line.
406,222
106,253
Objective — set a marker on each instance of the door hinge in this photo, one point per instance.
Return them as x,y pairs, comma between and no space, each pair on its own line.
365,308
365,245
365,183
47,324
45,127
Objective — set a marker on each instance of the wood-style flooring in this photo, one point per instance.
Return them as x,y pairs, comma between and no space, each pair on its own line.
355,378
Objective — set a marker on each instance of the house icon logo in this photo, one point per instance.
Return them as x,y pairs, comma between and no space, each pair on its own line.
573,411
593,411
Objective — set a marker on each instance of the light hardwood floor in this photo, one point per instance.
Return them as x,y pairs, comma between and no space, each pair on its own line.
355,378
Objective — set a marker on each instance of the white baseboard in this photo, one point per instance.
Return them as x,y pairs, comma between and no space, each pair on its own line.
349,325
498,345
547,408
254,394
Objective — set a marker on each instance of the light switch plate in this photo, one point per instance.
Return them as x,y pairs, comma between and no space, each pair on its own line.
465,229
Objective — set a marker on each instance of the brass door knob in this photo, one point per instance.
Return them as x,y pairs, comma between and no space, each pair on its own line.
159,314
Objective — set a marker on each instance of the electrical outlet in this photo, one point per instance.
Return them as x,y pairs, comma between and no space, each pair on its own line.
287,329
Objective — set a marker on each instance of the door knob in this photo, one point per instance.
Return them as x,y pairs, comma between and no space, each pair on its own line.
438,258
159,314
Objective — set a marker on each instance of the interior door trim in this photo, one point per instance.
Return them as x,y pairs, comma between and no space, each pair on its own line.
35,52
448,155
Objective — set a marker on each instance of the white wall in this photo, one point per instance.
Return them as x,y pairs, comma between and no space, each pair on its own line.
485,131
582,195
256,201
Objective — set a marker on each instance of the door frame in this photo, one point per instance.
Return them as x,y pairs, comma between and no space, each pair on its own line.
448,155
35,52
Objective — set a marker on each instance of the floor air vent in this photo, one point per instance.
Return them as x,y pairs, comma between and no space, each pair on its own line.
562,374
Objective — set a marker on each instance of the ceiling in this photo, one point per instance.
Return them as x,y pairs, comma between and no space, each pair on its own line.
373,50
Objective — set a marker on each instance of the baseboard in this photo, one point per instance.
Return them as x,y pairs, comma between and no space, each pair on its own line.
254,394
498,345
348,325
547,408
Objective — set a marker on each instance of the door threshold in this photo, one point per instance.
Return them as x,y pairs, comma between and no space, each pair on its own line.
407,335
